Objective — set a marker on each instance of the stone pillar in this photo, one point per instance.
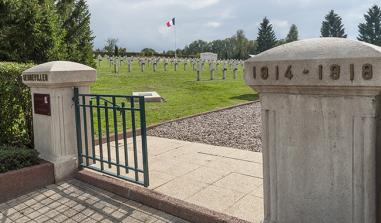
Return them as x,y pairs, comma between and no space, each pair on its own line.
320,130
54,128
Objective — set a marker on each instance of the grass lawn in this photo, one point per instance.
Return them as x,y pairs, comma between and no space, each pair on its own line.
183,95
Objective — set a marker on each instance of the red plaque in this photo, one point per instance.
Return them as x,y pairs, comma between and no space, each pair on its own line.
41,104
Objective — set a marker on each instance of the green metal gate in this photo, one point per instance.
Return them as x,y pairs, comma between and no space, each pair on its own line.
111,135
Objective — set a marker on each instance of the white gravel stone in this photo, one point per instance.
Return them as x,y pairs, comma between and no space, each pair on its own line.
238,127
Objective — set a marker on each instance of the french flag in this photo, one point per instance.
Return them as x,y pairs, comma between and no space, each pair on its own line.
170,22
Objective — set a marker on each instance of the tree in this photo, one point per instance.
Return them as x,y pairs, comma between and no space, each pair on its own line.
266,37
44,30
116,51
293,34
30,32
370,31
147,52
332,26
240,46
122,51
195,47
280,42
109,48
75,19
252,47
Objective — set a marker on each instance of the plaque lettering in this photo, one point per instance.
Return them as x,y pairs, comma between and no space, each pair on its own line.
335,71
320,72
288,73
352,72
277,73
367,71
35,77
264,72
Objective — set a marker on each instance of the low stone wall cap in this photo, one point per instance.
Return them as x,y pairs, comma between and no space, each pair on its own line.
59,74
59,66
319,48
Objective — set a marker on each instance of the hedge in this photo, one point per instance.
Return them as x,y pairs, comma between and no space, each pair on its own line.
15,106
13,158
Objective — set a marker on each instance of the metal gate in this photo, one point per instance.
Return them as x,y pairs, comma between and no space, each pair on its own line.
111,135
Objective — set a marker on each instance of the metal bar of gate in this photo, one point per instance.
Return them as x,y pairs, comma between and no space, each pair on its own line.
134,138
144,140
78,125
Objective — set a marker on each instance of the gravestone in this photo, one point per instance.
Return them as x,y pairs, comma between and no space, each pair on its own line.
165,64
142,64
154,64
321,139
115,67
224,69
54,128
211,70
235,70
199,70
129,64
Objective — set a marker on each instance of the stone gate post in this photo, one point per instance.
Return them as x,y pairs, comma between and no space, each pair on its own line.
320,124
54,128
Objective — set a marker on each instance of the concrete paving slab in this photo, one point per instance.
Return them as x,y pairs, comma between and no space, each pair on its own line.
249,208
206,175
210,176
216,198
232,180
181,188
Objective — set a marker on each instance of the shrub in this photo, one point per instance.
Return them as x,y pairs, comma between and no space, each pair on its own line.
13,158
15,106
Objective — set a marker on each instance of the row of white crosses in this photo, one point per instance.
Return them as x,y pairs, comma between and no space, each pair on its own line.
196,64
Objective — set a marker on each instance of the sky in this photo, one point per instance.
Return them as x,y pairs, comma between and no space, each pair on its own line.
139,24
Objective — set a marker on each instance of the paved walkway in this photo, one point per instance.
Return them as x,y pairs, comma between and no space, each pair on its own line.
223,179
74,201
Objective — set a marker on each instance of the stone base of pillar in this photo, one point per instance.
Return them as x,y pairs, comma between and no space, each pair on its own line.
64,168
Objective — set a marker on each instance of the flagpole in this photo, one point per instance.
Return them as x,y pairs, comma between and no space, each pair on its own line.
174,27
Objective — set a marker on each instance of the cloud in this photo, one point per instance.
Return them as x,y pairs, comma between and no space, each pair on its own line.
281,27
281,24
213,24
194,4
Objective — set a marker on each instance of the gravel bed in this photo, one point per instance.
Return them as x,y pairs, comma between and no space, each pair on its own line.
238,127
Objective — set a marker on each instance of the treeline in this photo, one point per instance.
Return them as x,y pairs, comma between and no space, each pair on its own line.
45,30
239,47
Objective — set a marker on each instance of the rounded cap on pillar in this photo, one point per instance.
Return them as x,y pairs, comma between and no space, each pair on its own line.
59,73
317,63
